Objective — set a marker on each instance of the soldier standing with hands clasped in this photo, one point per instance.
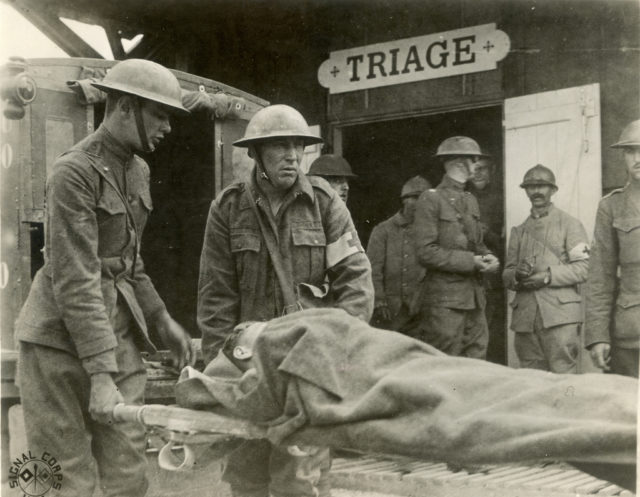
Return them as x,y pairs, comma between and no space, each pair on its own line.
548,256
613,290
449,244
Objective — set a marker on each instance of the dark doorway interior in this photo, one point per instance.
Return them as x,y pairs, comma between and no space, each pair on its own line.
182,188
386,154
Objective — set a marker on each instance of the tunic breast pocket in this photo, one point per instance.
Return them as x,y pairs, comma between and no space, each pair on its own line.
245,247
451,234
628,230
111,216
143,209
309,251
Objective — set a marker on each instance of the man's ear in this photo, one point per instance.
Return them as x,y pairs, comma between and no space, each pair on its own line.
252,151
124,104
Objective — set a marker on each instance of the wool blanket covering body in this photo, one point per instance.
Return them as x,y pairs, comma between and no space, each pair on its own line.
322,377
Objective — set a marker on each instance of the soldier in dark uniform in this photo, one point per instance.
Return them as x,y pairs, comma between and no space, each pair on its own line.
302,219
613,287
449,244
396,272
485,188
90,306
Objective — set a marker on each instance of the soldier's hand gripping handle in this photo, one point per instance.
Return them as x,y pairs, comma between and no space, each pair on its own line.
177,339
103,398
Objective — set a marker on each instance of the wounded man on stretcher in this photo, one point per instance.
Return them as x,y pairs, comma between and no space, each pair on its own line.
323,377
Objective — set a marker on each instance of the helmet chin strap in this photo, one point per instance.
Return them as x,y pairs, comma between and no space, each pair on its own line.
142,132
261,169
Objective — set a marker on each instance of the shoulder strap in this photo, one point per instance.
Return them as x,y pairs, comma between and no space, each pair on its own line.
535,237
288,293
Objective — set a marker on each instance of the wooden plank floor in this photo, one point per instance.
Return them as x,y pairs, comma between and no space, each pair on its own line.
410,478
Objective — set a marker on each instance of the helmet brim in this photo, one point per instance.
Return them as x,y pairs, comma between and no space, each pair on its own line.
174,106
538,183
307,139
625,144
461,154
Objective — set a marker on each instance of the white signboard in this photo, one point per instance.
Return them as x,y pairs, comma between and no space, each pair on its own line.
461,51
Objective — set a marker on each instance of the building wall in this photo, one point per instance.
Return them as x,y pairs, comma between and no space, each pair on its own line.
554,45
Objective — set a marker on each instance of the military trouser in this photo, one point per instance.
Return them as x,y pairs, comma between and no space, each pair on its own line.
55,392
457,332
494,312
624,361
552,349
259,469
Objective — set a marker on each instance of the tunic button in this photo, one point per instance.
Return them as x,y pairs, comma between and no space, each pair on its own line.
406,255
316,242
130,198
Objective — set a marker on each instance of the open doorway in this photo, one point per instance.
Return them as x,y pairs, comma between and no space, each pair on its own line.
385,154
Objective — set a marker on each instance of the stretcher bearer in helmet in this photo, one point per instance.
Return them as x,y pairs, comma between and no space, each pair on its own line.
267,240
613,291
91,306
449,244
547,258
396,272
336,170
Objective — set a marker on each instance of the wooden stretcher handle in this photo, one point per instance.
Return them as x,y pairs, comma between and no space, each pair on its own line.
125,413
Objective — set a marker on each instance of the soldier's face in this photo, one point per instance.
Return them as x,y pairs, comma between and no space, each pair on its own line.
540,195
341,185
281,159
632,160
481,175
156,123
409,207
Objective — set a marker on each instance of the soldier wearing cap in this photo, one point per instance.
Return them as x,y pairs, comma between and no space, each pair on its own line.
449,244
336,170
90,307
396,272
547,258
613,291
279,222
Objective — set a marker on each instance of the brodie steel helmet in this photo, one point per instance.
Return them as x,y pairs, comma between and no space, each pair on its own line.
331,165
539,175
277,121
630,136
414,187
459,145
145,79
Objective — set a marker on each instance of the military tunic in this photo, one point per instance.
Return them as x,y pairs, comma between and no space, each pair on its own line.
448,235
317,241
87,312
613,290
395,269
546,320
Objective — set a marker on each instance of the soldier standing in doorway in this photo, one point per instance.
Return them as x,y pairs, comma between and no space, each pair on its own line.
449,244
396,272
547,258
485,187
265,239
336,170
90,306
613,289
